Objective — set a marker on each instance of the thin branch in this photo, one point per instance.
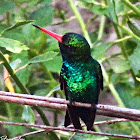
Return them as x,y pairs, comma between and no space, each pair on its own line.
80,20
71,126
58,103
24,90
104,122
50,128
131,6
27,134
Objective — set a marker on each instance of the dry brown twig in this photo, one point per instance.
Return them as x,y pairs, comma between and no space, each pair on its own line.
50,128
71,126
57,103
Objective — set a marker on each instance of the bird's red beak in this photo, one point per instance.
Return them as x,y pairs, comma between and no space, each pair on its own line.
54,35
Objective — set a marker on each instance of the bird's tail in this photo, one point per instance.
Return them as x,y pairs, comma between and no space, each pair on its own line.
73,114
88,116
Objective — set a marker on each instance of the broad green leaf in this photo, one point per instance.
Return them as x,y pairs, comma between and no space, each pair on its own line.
37,80
14,130
119,6
119,65
15,34
135,59
100,50
112,11
6,6
119,78
43,15
134,27
12,45
126,93
44,57
130,47
24,74
17,24
28,114
15,64
56,88
42,92
55,64
79,136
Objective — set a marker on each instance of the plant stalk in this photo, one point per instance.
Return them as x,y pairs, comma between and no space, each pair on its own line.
25,91
106,77
131,6
80,21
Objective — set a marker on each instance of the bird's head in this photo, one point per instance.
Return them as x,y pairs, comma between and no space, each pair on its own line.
71,44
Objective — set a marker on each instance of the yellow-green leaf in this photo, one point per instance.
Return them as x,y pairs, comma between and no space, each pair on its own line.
44,57
17,24
12,45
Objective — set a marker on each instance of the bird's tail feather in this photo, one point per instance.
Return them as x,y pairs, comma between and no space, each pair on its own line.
73,114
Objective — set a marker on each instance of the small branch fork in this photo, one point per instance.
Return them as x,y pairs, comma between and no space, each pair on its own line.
58,103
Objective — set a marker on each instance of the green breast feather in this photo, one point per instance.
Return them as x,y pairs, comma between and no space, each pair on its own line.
81,82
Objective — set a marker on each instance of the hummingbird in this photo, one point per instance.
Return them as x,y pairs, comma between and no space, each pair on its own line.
80,78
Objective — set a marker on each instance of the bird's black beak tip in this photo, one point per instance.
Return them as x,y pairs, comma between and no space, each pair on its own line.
36,26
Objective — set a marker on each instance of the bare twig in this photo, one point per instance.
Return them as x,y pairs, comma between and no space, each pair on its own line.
71,126
27,134
59,103
50,128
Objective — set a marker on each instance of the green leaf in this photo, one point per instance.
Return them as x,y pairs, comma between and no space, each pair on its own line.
99,9
119,65
55,64
28,115
42,92
43,15
130,47
6,6
56,88
134,27
100,50
126,93
15,64
12,45
135,59
23,74
44,57
14,130
17,24
80,136
119,6
112,11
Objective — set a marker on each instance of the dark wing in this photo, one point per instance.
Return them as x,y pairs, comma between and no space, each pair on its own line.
71,112
100,78
89,119
62,81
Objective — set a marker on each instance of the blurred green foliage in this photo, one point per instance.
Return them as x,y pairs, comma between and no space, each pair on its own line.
35,57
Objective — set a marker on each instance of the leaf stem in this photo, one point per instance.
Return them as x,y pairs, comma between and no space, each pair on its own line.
131,6
25,91
9,112
110,85
125,29
13,75
80,20
112,88
119,35
106,77
101,29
